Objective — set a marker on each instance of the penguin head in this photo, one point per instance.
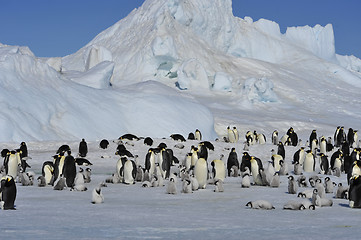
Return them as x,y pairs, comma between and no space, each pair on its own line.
249,204
312,207
302,207
291,178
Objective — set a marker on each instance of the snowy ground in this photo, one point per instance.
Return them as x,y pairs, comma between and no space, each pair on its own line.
133,212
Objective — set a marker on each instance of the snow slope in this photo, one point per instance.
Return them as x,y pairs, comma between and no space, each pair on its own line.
172,66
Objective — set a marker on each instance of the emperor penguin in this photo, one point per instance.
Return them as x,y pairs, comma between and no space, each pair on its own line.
276,158
171,186
246,161
275,137
8,192
313,136
218,170
260,204
201,172
129,170
292,185
293,136
309,163
11,164
198,135
314,146
281,150
301,181
324,165
48,172
148,141
58,165
150,161
231,136
165,163
24,150
219,186
194,158
83,148
297,168
323,145
340,136
336,160
299,156
203,152
261,138
140,174
256,165
97,195
355,170
69,170
187,162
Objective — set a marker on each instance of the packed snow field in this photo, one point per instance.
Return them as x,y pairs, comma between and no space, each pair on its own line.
134,212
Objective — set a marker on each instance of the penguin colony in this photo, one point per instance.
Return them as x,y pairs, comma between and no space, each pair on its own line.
308,168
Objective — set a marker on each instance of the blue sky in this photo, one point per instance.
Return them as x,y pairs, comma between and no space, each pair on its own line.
54,28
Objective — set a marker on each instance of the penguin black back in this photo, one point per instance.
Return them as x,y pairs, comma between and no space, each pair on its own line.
83,148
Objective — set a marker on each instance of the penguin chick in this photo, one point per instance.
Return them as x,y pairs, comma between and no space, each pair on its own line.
146,184
275,182
329,185
171,187
187,186
60,184
246,182
194,181
320,188
218,186
294,205
97,195
341,192
292,185
41,181
301,180
260,204
305,194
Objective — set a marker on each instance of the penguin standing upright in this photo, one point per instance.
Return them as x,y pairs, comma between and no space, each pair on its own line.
8,192
69,170
232,161
194,158
323,145
299,156
293,136
355,192
150,161
48,172
313,136
166,163
218,169
11,164
24,150
275,137
340,137
129,171
201,172
231,135
336,160
292,185
83,148
171,186
281,150
198,135
256,165
246,158
324,165
309,163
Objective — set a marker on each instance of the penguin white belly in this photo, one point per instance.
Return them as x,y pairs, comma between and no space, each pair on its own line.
308,164
48,171
188,162
194,158
255,173
231,136
323,147
13,166
220,170
276,160
338,163
128,169
61,165
302,157
201,172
